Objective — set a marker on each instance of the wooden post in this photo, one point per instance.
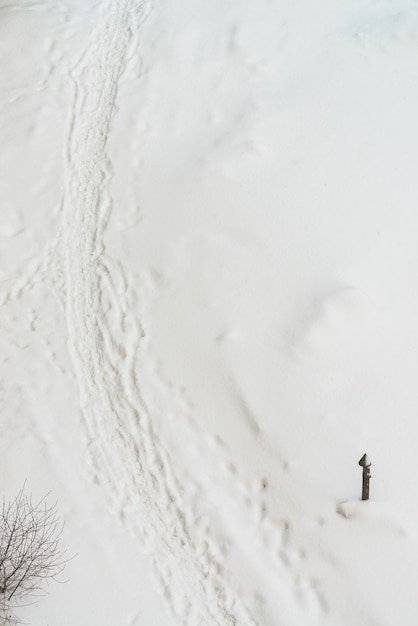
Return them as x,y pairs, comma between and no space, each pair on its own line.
365,464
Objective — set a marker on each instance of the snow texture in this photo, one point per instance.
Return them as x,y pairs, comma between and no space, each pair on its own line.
208,260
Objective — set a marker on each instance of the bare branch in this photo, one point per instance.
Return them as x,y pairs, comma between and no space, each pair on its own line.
30,553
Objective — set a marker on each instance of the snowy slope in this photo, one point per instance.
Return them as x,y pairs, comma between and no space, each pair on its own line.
209,259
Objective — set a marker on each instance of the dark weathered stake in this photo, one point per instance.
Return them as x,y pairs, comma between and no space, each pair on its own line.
365,464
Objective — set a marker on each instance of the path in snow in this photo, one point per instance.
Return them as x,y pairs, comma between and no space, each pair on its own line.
124,451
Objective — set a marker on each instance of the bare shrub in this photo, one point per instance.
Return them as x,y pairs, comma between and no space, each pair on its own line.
30,554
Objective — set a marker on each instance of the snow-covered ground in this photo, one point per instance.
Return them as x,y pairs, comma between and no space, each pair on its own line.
209,270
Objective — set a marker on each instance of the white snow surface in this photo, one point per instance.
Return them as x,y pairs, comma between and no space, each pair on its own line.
209,270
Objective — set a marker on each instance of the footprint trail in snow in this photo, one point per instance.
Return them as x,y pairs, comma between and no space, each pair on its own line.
123,449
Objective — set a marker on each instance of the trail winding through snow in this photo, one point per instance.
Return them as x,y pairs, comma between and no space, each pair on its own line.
123,449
